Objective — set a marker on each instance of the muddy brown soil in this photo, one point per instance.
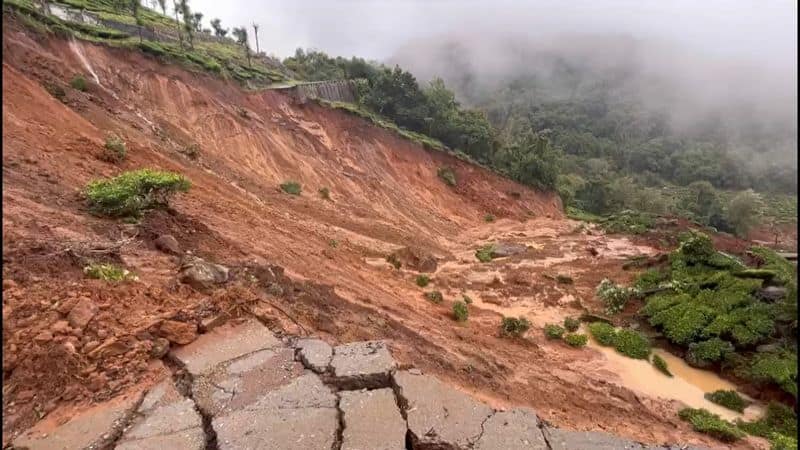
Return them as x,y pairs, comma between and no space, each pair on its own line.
302,265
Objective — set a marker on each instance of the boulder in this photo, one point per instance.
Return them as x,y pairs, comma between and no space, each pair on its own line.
415,258
771,293
168,244
82,313
180,333
503,249
201,274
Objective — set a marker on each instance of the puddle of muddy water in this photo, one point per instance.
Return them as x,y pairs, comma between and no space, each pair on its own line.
687,385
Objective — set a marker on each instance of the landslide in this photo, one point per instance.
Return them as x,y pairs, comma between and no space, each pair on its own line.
301,264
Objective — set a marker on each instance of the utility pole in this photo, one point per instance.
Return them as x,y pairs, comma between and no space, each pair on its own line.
255,31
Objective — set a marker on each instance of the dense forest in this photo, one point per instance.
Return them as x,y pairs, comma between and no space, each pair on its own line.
588,134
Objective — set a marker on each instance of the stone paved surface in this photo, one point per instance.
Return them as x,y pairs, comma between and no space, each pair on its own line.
438,414
371,420
247,389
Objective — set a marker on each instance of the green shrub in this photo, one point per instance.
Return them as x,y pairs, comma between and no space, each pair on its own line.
614,297
571,324
729,399
484,254
115,150
391,259
488,218
434,296
576,340
782,442
563,279
705,353
553,331
291,187
324,193
512,326
423,280
603,333
779,368
661,365
778,419
133,192
627,222
333,243
107,272
79,82
467,299
632,344
447,175
460,311
711,424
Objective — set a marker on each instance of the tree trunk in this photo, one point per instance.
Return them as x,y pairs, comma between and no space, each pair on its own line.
255,31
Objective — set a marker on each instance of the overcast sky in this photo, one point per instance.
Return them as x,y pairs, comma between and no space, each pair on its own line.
760,30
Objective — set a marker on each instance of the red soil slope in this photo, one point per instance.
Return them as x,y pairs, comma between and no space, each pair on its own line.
385,194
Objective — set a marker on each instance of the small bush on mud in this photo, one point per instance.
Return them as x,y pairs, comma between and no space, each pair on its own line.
460,311
705,422
79,82
515,327
391,259
447,175
423,280
467,299
434,296
107,272
333,243
603,333
614,297
553,331
572,324
488,218
632,344
661,365
484,254
291,187
705,353
114,150
563,279
192,151
325,193
729,399
133,192
576,340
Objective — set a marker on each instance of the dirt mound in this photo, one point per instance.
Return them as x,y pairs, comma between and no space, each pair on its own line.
415,258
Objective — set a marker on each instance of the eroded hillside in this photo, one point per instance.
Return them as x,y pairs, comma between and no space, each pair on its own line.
301,264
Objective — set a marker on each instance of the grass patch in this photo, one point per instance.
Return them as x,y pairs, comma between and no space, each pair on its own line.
632,222
553,331
563,279
423,280
460,311
661,365
107,272
291,187
467,299
78,82
447,175
729,399
391,259
114,150
484,254
572,324
488,218
576,340
632,344
711,424
514,327
434,296
324,193
133,192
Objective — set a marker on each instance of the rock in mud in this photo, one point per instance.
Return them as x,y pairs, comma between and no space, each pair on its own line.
371,421
168,244
415,258
771,293
517,429
160,347
180,333
82,313
92,428
201,274
438,415
503,249
362,365
586,440
111,347
164,420
315,353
